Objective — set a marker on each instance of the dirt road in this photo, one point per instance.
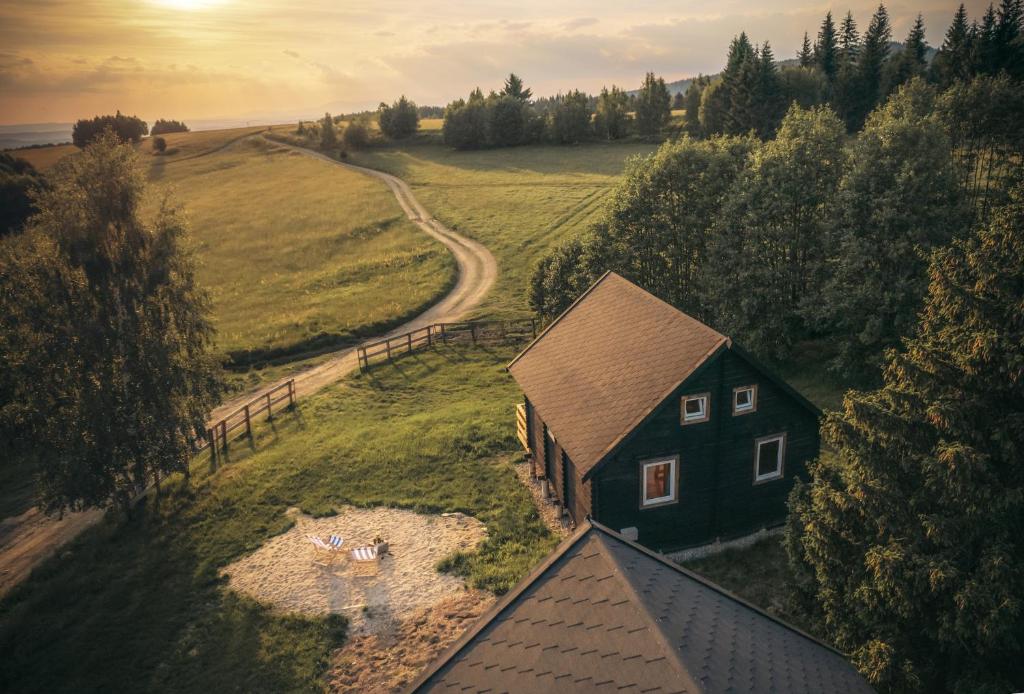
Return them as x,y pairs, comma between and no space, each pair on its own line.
28,539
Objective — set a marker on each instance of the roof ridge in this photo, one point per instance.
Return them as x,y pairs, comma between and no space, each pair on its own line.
693,575
671,652
500,606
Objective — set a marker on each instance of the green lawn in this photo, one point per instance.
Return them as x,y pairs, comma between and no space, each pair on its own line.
138,605
519,202
298,254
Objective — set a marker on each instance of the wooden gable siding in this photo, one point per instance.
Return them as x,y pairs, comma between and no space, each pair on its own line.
580,493
535,434
717,496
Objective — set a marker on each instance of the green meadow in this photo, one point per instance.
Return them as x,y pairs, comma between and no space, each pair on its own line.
297,254
519,202
138,604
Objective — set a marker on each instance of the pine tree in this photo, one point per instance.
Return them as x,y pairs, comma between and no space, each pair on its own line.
514,88
691,104
910,62
653,107
907,540
806,55
769,106
873,54
986,48
953,60
825,49
849,41
735,94
1009,46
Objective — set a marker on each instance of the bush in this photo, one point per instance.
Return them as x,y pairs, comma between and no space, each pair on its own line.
356,134
126,128
18,180
159,145
162,127
328,137
400,120
465,124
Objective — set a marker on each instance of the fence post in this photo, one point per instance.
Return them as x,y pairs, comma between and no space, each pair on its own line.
472,331
224,434
270,413
408,338
430,336
291,393
248,423
387,346
533,327
211,437
444,333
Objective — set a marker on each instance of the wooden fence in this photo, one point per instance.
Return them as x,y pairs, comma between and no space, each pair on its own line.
220,433
474,332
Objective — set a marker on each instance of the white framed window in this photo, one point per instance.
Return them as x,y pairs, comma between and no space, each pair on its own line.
769,454
695,408
659,481
744,399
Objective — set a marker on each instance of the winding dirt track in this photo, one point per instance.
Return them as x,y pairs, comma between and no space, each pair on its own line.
28,539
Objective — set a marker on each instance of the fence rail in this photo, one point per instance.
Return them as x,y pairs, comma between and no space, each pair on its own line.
218,435
475,332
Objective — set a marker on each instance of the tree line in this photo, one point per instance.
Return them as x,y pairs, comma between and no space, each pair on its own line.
807,236
849,71
511,116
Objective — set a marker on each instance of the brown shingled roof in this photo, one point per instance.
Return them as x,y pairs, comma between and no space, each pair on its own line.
607,362
603,614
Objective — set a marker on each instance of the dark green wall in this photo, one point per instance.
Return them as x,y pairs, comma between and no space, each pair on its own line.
717,494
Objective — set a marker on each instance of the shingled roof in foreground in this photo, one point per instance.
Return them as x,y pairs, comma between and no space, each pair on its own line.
603,614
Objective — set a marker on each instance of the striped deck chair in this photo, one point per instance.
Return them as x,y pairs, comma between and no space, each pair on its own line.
364,560
327,551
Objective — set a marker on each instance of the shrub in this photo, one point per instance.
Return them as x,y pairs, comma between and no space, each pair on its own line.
162,127
399,120
356,134
159,145
126,128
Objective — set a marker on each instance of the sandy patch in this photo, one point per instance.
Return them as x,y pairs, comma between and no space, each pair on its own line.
282,572
390,662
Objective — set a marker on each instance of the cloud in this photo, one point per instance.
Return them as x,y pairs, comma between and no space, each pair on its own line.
579,23
291,53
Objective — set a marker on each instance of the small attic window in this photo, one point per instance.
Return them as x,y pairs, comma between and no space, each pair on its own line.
768,457
695,408
744,399
659,481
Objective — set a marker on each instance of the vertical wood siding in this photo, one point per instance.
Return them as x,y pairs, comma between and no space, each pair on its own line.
717,495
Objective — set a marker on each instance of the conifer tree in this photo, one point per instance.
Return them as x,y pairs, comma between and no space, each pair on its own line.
907,541
1009,46
769,106
514,88
328,137
653,107
691,104
849,41
806,54
910,62
825,49
870,64
953,60
844,96
986,48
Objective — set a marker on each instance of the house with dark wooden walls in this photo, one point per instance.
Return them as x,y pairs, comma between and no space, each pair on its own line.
603,614
654,424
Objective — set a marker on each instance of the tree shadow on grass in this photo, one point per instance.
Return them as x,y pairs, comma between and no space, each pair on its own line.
137,604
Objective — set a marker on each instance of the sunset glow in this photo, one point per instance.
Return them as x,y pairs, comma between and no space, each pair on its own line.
65,59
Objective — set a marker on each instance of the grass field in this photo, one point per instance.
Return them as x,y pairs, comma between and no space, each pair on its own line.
43,158
297,253
519,202
140,602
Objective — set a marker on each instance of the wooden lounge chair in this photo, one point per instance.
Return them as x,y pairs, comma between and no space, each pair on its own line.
327,551
365,560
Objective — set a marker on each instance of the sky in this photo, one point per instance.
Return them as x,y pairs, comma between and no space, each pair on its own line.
61,60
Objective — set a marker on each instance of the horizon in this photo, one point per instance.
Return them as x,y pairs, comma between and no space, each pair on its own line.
209,60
